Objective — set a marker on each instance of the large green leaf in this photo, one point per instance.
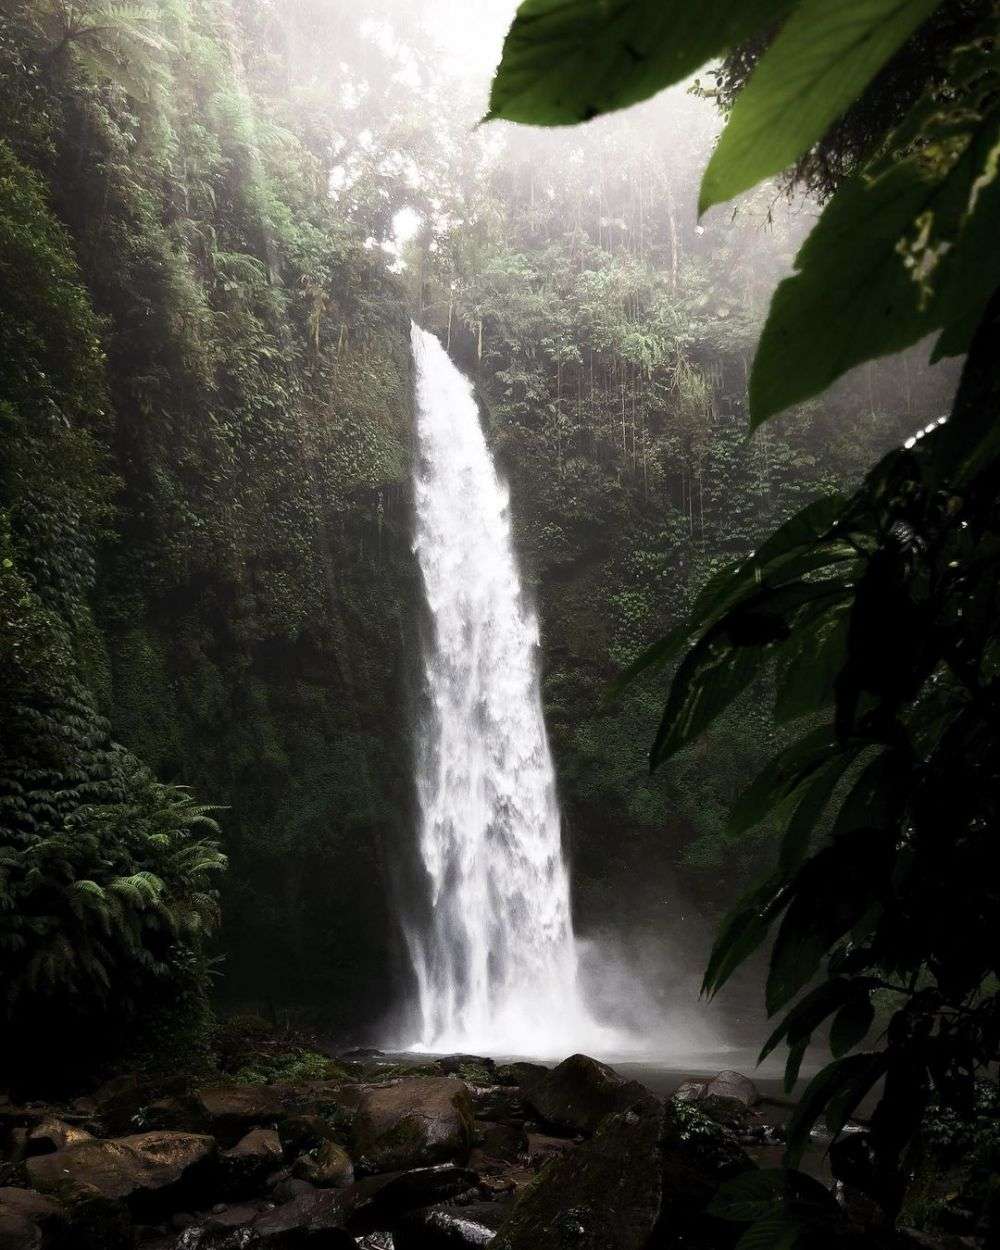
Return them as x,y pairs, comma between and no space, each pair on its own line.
781,777
804,819
743,931
828,897
820,63
566,61
713,673
854,1073
725,660
808,1014
753,1195
887,264
851,1024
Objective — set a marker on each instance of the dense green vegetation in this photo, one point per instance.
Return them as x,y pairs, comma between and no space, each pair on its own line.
205,502
877,612
204,405
610,338
208,607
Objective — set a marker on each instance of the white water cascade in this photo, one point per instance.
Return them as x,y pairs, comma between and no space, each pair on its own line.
496,964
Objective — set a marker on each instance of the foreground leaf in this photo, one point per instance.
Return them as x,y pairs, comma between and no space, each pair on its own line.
820,63
894,257
566,61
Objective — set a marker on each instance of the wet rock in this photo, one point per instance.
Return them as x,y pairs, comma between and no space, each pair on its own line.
236,1216
542,1148
245,1167
292,1187
736,1117
521,1073
473,1069
577,1095
121,1104
642,1181
52,1135
147,1170
420,1121
504,1142
603,1195
498,1102
306,1132
14,1143
315,1219
735,1086
379,1200
332,1101
30,1221
228,1112
450,1228
691,1091
326,1166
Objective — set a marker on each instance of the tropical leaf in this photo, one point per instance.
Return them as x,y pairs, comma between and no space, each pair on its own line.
567,61
887,264
821,61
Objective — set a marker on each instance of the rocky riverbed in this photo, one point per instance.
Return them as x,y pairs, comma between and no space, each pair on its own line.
453,1153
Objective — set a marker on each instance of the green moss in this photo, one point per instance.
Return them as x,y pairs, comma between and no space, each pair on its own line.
292,1068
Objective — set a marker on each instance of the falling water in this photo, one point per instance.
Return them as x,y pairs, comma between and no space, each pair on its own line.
496,964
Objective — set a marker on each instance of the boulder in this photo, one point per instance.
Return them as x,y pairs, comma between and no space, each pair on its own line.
450,1228
473,1069
498,1102
736,1117
228,1112
291,1187
577,1095
380,1200
121,1103
542,1148
147,1170
245,1167
505,1143
314,1219
420,1121
326,1166
306,1132
30,1221
735,1086
690,1091
602,1195
641,1181
520,1073
14,1144
52,1135
332,1100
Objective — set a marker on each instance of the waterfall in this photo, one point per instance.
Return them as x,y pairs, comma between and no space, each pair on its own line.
496,962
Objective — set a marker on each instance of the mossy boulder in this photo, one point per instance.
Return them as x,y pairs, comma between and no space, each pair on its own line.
228,1112
601,1195
327,1166
577,1095
643,1180
450,1228
29,1219
415,1123
150,1172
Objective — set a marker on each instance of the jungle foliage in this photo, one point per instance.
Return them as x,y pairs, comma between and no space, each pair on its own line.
203,405
876,612
609,337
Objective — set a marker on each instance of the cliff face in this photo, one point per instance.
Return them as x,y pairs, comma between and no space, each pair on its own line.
205,393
